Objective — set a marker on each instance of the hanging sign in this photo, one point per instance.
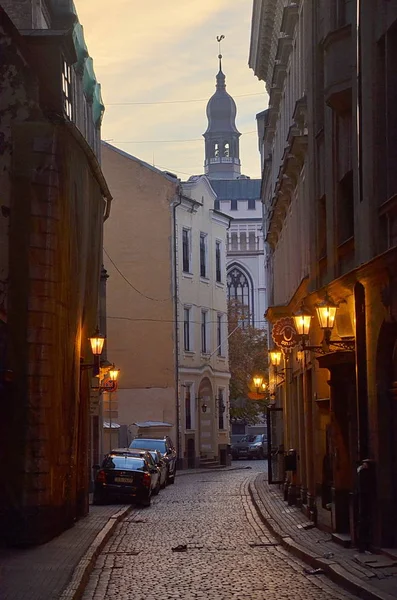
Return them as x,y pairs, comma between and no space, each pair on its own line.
284,334
108,385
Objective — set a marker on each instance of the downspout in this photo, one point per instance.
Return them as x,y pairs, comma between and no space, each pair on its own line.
176,316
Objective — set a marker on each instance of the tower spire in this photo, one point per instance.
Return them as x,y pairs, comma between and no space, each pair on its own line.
220,78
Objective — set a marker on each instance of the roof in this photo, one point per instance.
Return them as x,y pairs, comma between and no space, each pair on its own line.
237,189
153,424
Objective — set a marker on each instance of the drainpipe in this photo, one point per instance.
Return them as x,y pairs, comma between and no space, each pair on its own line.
176,316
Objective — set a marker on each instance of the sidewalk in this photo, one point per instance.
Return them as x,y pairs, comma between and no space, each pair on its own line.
370,576
57,569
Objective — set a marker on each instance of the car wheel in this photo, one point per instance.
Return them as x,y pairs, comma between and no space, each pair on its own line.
146,501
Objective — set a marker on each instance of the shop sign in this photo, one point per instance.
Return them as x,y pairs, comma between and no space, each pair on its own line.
284,334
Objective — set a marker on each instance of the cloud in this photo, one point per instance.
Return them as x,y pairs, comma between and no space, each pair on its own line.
167,51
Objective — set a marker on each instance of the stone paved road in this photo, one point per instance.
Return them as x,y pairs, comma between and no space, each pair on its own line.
229,553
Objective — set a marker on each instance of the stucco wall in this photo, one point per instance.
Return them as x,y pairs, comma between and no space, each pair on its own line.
140,321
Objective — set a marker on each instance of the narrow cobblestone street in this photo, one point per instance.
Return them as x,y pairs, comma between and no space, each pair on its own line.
230,554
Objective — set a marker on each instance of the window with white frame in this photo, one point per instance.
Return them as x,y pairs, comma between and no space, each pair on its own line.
203,255
219,334
218,261
221,408
67,89
186,250
204,332
187,329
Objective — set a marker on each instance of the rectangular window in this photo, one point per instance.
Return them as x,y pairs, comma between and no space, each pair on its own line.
216,204
188,407
186,238
186,329
204,332
67,89
221,409
218,262
233,204
219,334
203,255
251,204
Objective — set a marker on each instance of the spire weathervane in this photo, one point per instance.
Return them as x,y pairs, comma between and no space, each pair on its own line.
219,38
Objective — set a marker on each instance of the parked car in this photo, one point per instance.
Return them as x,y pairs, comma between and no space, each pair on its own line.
258,447
124,477
240,448
161,465
152,463
165,447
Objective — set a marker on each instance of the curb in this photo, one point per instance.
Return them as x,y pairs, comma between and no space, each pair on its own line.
75,588
332,569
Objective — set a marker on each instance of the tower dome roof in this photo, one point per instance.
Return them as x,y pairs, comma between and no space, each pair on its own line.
221,108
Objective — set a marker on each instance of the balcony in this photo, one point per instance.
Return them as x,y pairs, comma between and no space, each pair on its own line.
339,64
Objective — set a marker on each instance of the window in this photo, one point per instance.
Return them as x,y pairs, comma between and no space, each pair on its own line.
186,253
186,329
188,407
67,89
226,149
219,334
251,204
218,261
216,149
233,204
239,290
204,332
221,409
216,204
345,208
203,255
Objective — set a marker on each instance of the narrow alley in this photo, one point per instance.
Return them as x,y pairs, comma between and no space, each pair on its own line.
222,551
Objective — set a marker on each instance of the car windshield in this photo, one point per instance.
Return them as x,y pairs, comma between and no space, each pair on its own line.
149,445
128,463
259,438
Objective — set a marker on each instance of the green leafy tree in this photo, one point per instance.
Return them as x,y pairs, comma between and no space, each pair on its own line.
247,358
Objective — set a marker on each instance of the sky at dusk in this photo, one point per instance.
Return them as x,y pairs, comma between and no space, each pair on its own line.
163,51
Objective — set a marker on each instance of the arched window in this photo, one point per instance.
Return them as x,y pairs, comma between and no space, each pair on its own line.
226,149
216,149
239,289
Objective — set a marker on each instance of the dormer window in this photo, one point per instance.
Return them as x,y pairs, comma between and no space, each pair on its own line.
67,89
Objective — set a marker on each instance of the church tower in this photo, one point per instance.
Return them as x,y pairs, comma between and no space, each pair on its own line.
222,152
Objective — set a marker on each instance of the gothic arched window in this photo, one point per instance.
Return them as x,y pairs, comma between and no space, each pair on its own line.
239,289
216,149
226,149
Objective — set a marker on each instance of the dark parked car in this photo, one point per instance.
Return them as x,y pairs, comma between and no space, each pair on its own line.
152,463
258,447
124,477
162,467
165,447
240,448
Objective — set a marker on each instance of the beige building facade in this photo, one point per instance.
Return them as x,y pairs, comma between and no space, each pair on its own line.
328,190
138,257
202,308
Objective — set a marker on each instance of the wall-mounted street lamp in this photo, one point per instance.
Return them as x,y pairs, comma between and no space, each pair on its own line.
96,341
258,382
326,313
275,361
204,407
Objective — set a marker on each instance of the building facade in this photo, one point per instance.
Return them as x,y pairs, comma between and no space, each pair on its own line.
139,260
239,197
328,188
50,261
202,309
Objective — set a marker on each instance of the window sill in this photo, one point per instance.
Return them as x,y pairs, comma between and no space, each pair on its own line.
220,284
206,354
204,280
189,352
187,275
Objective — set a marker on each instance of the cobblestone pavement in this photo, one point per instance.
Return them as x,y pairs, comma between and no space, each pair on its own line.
229,556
